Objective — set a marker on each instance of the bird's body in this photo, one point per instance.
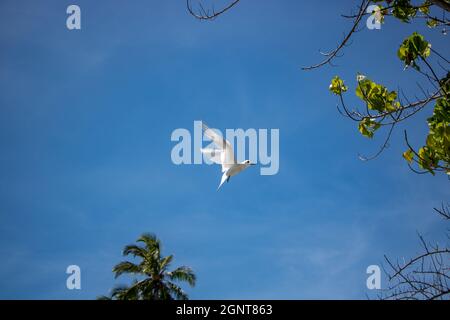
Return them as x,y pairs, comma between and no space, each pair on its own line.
232,171
238,167
223,155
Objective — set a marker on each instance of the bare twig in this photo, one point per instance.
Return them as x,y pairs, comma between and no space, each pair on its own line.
203,14
334,53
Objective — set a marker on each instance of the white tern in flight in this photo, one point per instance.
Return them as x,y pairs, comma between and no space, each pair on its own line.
223,155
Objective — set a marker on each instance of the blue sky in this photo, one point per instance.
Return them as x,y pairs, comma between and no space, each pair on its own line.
85,124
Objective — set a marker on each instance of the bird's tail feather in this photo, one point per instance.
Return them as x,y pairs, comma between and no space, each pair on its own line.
224,178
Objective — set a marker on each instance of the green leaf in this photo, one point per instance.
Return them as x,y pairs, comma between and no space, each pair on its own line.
408,155
377,96
403,10
367,127
413,47
337,86
425,7
432,23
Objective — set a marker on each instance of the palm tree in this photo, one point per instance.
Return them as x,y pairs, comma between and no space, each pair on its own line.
158,283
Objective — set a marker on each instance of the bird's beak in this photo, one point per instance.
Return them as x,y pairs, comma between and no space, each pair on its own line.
253,164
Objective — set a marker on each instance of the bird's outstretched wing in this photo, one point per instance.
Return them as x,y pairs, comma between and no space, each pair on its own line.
226,155
215,155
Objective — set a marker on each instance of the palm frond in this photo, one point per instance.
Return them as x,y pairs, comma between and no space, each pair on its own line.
126,267
165,262
135,251
176,291
151,241
183,273
148,289
133,293
121,292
